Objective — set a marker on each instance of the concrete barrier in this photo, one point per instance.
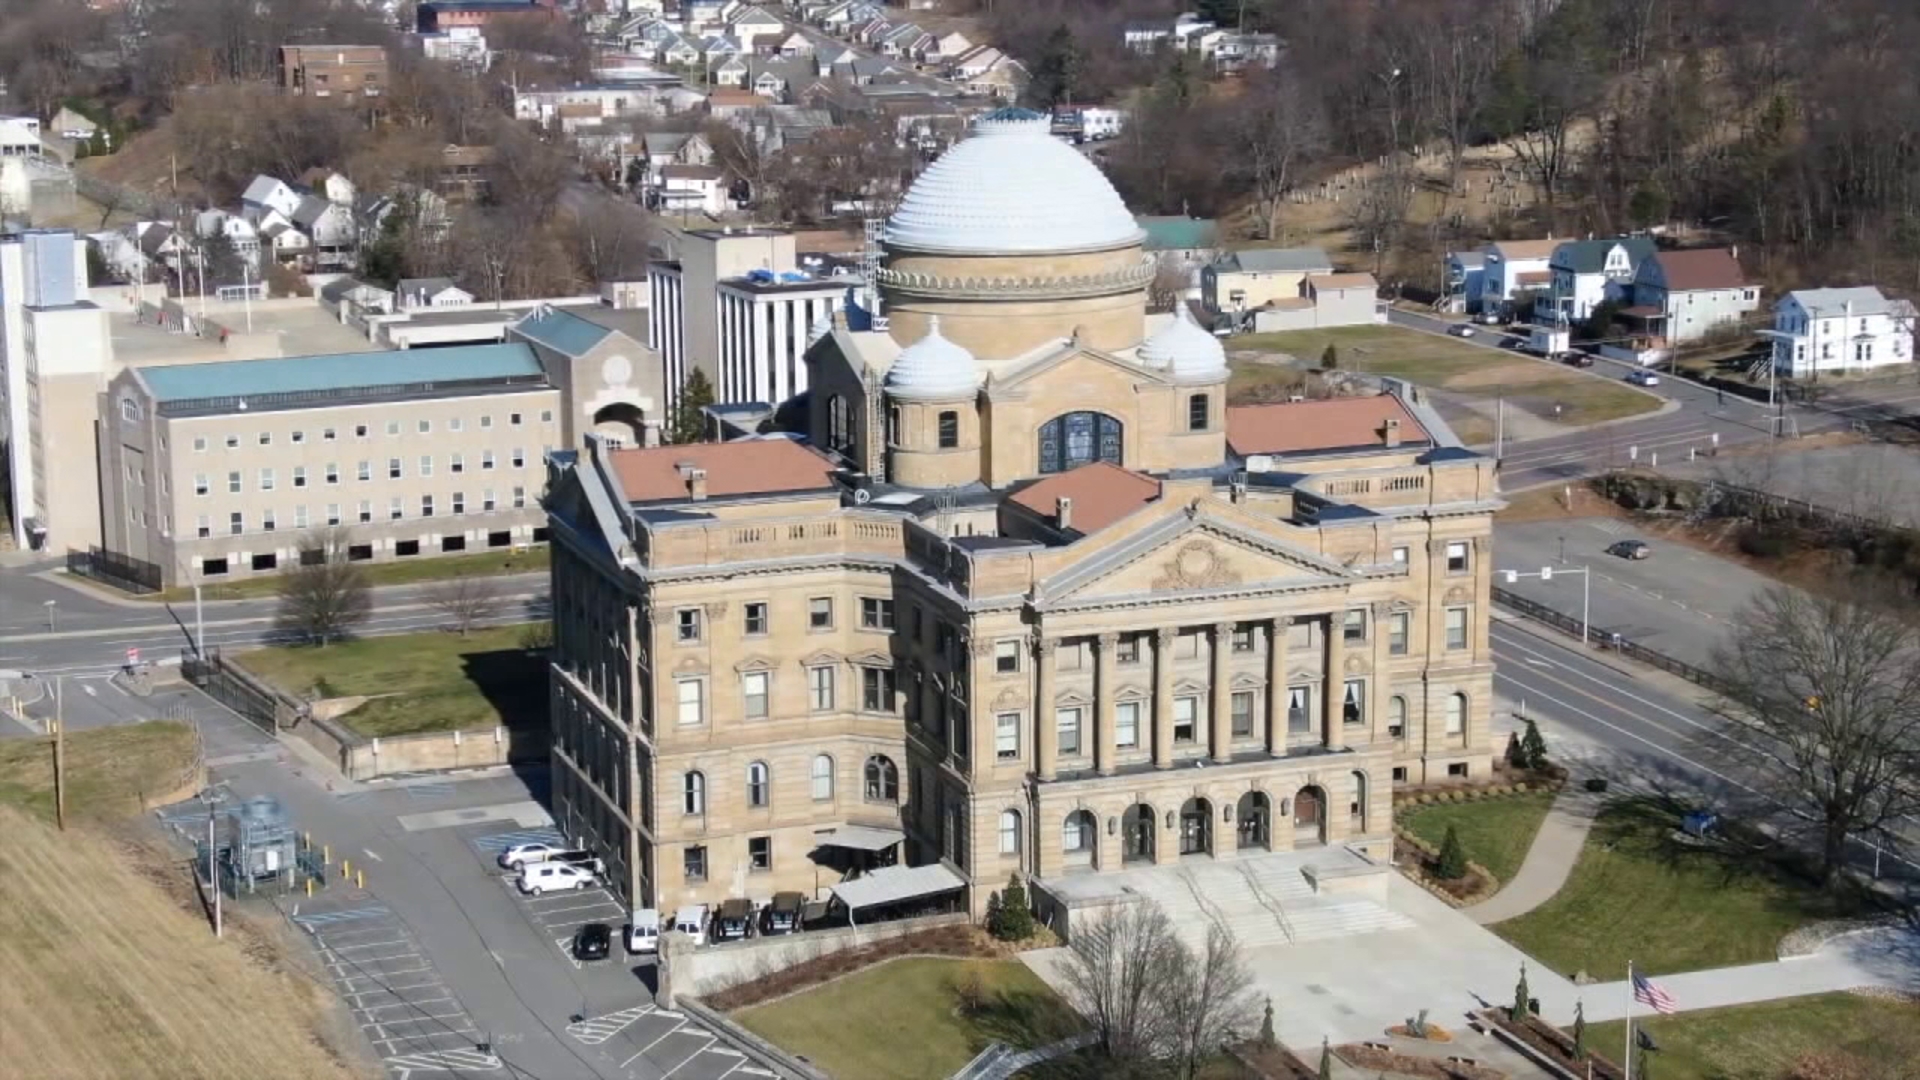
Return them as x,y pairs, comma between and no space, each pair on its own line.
716,968
362,758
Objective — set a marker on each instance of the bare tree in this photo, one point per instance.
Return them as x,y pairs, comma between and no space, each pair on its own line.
1379,212
1117,971
467,600
325,596
1825,695
1281,127
1211,1001
1171,279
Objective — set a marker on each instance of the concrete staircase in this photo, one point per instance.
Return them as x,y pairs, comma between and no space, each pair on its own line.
1261,901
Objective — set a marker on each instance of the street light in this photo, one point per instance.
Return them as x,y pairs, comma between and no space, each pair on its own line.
1547,573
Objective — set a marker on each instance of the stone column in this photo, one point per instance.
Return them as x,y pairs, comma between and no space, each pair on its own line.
1277,685
1333,690
1104,739
1222,693
1047,732
1163,640
1377,686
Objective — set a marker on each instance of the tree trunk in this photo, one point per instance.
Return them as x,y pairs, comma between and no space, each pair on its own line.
1833,854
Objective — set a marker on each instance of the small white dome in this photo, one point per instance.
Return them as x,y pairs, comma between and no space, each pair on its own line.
933,367
1011,187
1183,350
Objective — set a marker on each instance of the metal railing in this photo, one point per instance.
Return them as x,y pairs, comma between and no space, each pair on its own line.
260,704
1609,640
120,571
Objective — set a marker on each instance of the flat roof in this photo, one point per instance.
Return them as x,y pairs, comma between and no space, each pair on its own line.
561,330
893,884
747,468
234,381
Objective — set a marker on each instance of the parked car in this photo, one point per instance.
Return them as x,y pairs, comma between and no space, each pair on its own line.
546,877
517,855
643,932
1577,359
1630,549
1642,377
1460,330
783,915
734,920
593,942
1491,318
692,921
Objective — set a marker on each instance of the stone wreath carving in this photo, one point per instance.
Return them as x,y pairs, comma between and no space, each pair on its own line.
1196,565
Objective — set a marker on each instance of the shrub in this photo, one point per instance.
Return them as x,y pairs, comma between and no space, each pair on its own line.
970,992
1533,748
1452,864
1330,359
1764,544
1014,921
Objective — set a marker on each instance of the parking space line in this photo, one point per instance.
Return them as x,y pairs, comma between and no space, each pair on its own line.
365,945
690,1057
654,1043
403,1004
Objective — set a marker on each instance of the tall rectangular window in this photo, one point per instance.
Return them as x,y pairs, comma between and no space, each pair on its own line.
1299,710
266,479
753,689
1186,709
1354,626
820,613
393,468
756,617
426,506
1006,657
1399,625
1126,724
363,471
1457,556
1067,725
1242,714
876,689
1456,628
1353,706
426,464
299,476
1197,412
949,430
820,688
687,624
1006,735
692,701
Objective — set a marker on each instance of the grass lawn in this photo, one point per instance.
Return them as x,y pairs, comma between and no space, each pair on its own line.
1448,365
108,769
1638,894
438,681
908,1020
398,572
1759,1042
1495,832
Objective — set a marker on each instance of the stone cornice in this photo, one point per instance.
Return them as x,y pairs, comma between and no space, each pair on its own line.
1018,288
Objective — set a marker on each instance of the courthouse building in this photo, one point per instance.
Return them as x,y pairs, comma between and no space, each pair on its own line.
1029,596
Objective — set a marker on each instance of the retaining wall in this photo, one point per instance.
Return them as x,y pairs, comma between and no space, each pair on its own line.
712,969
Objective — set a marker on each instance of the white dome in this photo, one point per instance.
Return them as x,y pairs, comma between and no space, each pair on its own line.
1184,350
1011,187
933,367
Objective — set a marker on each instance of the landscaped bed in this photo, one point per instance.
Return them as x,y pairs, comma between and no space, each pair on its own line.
433,681
915,1018
1496,832
1640,893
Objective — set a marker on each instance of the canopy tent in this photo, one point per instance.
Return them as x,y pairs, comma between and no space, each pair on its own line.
895,884
860,838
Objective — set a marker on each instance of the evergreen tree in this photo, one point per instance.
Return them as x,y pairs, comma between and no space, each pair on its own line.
1533,748
1522,997
1016,916
1579,1031
1330,359
994,908
1326,1059
1056,75
688,424
1452,864
1267,1037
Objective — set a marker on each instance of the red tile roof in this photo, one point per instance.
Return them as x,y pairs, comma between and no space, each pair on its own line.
1701,268
1102,494
754,467
1334,424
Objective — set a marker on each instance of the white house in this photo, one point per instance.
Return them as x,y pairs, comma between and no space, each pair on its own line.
331,227
1512,267
1145,36
240,233
462,46
749,23
1189,30
1465,279
20,137
267,193
1840,330
69,124
949,45
329,185
434,292
1587,273
280,236
1681,296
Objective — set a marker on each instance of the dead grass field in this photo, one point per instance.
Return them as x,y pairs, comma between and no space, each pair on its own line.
1468,372
108,769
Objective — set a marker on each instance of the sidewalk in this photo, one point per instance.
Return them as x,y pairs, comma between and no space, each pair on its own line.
1887,957
1556,847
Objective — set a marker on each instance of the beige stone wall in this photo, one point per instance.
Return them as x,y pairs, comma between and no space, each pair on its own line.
1155,435
915,456
999,331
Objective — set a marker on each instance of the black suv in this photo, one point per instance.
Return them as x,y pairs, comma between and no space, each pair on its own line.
733,922
783,915
593,942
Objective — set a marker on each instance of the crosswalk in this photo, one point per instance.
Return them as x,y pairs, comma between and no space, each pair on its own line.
454,1061
330,918
598,1029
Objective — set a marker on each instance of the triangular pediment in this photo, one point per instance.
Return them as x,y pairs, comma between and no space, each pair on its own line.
1191,554
1061,362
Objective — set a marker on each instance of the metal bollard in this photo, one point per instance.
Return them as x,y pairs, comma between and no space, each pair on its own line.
309,888
346,867
360,879
326,854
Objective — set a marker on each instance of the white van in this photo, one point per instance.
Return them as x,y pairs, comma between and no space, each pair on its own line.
546,877
643,933
692,921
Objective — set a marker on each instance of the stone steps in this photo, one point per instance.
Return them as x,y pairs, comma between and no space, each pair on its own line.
1232,899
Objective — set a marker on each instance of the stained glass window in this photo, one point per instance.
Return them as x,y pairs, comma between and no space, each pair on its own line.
1079,438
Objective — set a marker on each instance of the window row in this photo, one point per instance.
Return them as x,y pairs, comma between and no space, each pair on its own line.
690,623
234,440
880,783
877,693
334,513
366,470
1456,629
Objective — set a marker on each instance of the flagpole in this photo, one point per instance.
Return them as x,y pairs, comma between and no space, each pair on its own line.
1629,1056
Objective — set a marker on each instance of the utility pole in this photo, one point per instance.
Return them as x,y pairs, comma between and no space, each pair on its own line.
213,872
59,754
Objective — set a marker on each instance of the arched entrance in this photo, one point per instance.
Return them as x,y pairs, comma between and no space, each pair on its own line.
1357,809
1137,834
1196,827
622,424
1080,841
1253,821
1309,817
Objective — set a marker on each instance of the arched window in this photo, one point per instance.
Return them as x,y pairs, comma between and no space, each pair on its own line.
823,778
1456,714
1077,832
759,785
893,425
1396,717
1009,832
1079,438
838,429
693,793
949,430
883,779
1357,809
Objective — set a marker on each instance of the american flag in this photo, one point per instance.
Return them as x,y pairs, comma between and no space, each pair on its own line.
1647,992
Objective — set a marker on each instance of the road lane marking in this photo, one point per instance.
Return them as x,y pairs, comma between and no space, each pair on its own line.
371,854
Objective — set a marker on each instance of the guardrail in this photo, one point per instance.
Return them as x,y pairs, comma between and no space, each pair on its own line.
1606,639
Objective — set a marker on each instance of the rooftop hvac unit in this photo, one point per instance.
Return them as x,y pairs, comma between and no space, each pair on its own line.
1259,463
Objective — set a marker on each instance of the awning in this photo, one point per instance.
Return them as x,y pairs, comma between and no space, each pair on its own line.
893,884
861,838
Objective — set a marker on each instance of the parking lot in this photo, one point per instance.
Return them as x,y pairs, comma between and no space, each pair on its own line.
403,1006
556,916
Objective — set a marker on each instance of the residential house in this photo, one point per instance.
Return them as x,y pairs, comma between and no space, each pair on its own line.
268,193
1146,36
1512,268
1587,273
1235,51
433,292
462,46
733,72
830,56
1184,243
434,16
348,73
20,137
1325,300
724,102
906,42
283,239
1818,331
1189,30
795,44
715,48
948,46
240,234
691,189
160,246
663,148
329,185
997,76
331,227
463,172
1682,296
1464,279
647,36
679,52
1244,280
749,23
